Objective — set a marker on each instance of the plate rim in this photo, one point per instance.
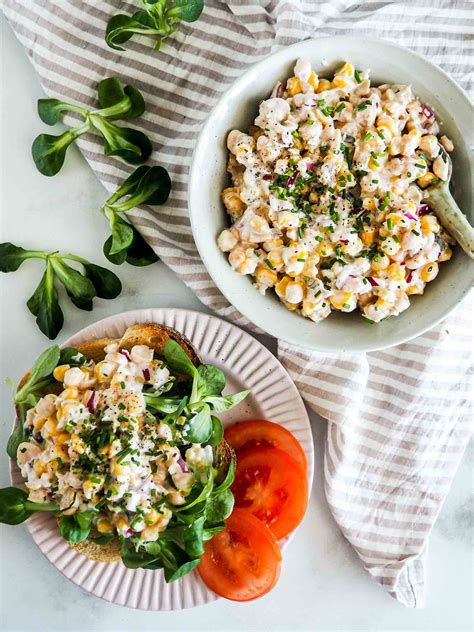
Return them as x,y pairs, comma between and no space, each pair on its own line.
193,183
143,315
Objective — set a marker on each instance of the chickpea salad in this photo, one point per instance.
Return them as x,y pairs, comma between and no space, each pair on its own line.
125,447
326,203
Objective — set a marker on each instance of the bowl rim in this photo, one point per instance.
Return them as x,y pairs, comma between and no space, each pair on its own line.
193,181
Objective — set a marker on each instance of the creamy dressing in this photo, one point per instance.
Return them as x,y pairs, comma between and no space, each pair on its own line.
326,197
96,444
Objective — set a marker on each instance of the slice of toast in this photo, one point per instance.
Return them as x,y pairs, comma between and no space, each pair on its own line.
155,336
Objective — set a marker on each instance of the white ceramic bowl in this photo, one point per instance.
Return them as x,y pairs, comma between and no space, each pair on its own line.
238,107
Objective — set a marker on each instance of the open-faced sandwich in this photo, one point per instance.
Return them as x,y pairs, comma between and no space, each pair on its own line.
119,439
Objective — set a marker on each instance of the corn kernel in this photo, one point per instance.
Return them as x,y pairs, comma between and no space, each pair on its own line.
387,124
395,272
323,85
429,224
281,286
39,423
339,82
393,219
372,165
293,86
70,393
426,179
346,71
38,467
339,299
265,276
446,254
429,272
63,437
380,263
414,289
313,80
121,523
152,517
77,444
232,201
275,257
295,292
104,525
60,371
326,249
50,427
88,488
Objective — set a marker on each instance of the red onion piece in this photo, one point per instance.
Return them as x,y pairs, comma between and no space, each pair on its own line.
428,112
410,216
146,374
90,403
125,353
423,209
128,533
278,90
291,179
310,166
372,282
344,241
183,466
409,277
267,176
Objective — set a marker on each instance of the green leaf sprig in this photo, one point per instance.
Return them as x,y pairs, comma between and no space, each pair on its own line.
158,19
180,547
40,377
146,185
15,507
116,102
208,382
80,287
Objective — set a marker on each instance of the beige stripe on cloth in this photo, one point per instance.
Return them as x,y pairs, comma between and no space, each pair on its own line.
398,419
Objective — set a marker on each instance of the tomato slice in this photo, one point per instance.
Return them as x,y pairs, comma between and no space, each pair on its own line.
259,432
242,562
272,486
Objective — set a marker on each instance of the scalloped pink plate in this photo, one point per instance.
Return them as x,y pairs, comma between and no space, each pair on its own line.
247,365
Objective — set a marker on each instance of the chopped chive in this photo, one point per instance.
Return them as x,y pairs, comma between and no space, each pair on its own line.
340,107
395,239
346,306
301,260
409,174
415,232
357,76
381,134
420,166
368,136
389,223
269,264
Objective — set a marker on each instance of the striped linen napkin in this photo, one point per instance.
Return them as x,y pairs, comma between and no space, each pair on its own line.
398,420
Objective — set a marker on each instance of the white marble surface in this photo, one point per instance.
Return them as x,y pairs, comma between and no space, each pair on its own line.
323,586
